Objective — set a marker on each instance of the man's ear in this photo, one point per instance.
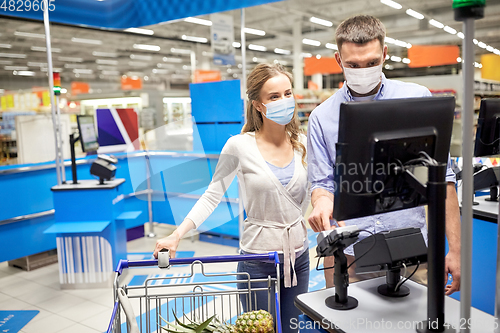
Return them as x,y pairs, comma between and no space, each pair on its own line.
337,58
385,53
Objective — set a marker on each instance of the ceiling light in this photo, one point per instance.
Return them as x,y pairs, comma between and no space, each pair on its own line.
408,45
104,54
82,71
160,71
392,4
236,44
312,42
321,21
306,55
198,21
86,41
160,65
496,51
16,68
12,55
64,90
6,62
406,60
254,31
194,39
45,69
180,51
481,45
37,64
176,60
436,24
75,66
140,31
5,46
331,46
29,34
489,48
400,43
186,67
106,62
415,14
109,68
257,47
460,35
282,51
72,59
207,54
141,57
44,49
387,57
111,72
459,59
388,67
147,47
396,59
475,41
137,63
318,56
24,73
450,30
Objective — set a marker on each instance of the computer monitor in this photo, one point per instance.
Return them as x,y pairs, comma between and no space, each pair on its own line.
376,139
488,128
88,134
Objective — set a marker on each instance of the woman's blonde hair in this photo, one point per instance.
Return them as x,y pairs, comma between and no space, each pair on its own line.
255,81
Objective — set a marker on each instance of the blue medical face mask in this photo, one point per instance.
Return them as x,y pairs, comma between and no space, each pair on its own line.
280,111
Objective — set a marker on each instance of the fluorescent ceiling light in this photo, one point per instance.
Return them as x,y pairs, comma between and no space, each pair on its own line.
392,4
460,35
5,46
140,31
82,71
450,30
141,57
75,66
37,64
180,51
312,42
160,65
318,56
44,49
475,41
111,72
186,67
45,69
306,55
108,68
29,34
389,40
459,59
176,60
254,31
237,44
194,39
388,67
198,21
208,54
282,51
106,62
72,59
496,51
6,62
387,57
147,47
406,60
319,21
137,63
257,47
180,76
255,59
16,68
489,48
415,14
12,55
437,24
331,46
482,45
400,43
105,54
24,73
160,71
396,59
86,41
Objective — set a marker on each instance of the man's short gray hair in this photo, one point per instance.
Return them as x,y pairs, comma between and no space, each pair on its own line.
360,29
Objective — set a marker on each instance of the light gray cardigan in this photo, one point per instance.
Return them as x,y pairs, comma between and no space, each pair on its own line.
275,214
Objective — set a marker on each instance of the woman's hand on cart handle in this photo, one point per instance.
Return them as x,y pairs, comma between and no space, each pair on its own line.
171,242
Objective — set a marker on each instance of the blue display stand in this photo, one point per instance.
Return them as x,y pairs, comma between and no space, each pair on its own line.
90,232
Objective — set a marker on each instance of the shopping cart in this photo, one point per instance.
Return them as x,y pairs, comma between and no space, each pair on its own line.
160,299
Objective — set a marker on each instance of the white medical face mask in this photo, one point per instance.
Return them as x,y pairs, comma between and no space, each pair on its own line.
280,111
363,80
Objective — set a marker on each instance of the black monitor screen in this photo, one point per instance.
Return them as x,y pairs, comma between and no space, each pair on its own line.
488,128
376,140
88,134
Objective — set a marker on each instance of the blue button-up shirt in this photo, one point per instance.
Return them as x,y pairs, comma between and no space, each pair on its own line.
323,129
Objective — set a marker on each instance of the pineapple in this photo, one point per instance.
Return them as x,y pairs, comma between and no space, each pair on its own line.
255,322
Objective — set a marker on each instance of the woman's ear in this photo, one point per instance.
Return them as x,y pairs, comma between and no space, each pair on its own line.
258,106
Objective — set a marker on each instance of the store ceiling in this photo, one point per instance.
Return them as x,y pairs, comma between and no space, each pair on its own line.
113,54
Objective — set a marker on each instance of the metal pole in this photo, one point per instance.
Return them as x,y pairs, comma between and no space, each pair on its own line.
467,173
150,204
244,97
60,142
51,85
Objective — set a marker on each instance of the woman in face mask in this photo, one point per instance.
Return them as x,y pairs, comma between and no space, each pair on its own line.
268,157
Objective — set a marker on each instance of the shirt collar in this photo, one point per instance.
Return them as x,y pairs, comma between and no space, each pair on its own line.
347,93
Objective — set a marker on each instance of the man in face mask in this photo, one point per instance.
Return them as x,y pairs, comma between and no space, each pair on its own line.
360,41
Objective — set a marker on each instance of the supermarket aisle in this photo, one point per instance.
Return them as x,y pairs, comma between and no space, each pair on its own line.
89,310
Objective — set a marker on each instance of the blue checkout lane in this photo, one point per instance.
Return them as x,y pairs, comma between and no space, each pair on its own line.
13,321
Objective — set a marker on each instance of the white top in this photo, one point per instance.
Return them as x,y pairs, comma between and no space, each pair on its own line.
275,219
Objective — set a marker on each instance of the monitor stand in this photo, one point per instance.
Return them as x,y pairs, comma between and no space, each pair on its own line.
493,194
341,301
390,288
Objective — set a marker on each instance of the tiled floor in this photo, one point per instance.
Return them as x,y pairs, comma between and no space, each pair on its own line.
83,310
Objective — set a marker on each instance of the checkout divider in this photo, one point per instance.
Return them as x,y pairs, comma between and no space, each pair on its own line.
178,180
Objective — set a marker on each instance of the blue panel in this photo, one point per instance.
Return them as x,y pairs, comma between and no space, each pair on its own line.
216,101
129,215
225,131
208,137
123,14
108,133
77,227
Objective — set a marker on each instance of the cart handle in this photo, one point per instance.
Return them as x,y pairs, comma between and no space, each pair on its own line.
268,257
